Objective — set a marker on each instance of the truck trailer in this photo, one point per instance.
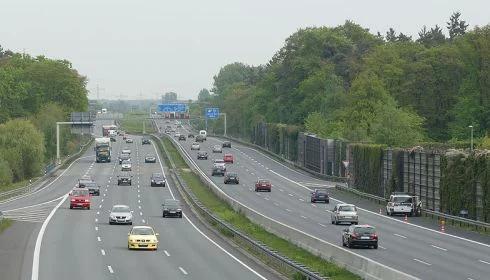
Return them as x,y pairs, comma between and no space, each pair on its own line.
107,128
103,149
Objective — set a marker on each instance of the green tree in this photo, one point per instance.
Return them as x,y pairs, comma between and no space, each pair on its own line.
203,95
22,146
455,26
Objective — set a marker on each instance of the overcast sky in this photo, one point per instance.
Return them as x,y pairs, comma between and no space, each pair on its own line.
148,47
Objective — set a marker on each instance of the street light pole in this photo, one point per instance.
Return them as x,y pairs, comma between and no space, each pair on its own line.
471,143
224,114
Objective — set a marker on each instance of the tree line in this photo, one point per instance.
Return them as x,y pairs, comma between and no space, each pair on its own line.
35,93
347,83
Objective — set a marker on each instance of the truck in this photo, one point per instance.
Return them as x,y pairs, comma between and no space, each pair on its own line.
107,128
103,149
403,203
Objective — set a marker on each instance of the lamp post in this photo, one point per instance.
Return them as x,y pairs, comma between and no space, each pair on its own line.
471,142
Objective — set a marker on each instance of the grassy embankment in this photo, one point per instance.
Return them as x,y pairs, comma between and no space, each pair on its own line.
4,224
243,224
133,123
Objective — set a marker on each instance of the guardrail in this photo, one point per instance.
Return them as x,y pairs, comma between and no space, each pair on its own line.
267,255
363,266
453,220
49,170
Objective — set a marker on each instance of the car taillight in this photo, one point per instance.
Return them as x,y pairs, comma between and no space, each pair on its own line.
87,200
374,236
72,200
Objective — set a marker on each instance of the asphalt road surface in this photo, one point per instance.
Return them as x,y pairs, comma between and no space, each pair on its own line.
414,249
80,244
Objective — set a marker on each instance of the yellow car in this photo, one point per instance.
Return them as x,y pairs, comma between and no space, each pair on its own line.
142,237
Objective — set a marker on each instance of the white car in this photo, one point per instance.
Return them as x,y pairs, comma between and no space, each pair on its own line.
126,151
195,146
344,213
217,149
177,135
220,163
126,165
129,140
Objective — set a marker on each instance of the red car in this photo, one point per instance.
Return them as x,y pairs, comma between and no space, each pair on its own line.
263,185
228,158
80,198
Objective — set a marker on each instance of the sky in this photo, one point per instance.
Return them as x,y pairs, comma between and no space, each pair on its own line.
144,48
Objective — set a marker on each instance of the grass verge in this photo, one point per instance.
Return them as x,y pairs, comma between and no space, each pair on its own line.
4,224
133,123
243,224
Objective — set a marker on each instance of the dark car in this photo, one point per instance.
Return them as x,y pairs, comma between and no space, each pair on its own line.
182,137
113,138
157,180
226,144
124,157
171,207
263,185
150,159
360,235
319,195
218,171
199,138
202,155
124,179
190,135
90,184
231,177
145,141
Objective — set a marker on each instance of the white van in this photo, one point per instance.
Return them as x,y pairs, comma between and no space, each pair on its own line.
203,134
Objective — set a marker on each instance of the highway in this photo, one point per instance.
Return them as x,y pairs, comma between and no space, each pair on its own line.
416,250
80,244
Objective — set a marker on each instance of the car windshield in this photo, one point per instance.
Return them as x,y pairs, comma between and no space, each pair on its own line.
364,230
321,192
142,231
264,181
157,176
402,199
79,193
232,174
171,203
347,208
217,147
219,161
125,156
90,185
126,162
149,156
120,209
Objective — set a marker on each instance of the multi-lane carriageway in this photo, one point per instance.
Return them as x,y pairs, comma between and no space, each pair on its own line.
80,244
408,247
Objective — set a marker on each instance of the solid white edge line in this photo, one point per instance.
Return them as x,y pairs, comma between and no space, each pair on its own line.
285,225
39,240
56,179
203,234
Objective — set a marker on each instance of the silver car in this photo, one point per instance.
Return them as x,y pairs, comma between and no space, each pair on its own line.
217,149
344,213
121,214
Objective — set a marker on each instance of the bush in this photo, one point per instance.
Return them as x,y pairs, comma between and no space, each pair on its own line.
5,173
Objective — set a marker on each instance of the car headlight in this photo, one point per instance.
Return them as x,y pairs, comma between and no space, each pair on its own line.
178,209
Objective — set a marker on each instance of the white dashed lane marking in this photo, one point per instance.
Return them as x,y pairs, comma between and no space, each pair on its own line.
102,252
422,262
110,269
183,271
399,235
166,253
439,248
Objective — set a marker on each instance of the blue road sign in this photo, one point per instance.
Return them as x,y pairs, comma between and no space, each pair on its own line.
173,107
212,113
